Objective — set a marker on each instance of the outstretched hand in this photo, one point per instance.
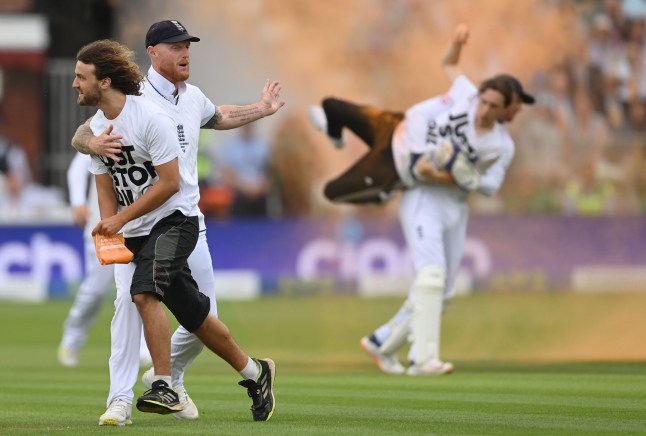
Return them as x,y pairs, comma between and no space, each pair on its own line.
269,98
461,34
106,144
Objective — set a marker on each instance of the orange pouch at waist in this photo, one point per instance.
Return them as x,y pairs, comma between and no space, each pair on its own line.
111,249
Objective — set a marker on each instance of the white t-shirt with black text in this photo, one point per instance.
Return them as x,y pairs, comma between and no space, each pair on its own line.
149,140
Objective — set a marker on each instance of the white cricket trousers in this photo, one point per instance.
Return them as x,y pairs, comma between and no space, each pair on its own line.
126,327
434,222
97,282
85,309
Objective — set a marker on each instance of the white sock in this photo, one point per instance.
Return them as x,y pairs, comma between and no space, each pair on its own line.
251,371
164,378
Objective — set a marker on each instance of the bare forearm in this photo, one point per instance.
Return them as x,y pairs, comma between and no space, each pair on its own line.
106,196
230,116
154,197
451,57
425,171
441,177
81,139
452,54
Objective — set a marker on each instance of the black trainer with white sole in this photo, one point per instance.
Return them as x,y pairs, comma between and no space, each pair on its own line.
159,399
261,391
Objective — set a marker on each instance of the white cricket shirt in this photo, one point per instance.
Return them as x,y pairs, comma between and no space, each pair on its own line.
190,110
429,123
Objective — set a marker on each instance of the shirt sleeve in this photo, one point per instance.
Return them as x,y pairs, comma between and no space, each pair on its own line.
207,106
98,167
462,88
78,179
161,137
491,179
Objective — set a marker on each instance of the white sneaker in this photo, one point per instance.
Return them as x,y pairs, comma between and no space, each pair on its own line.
431,367
117,415
387,363
68,357
189,411
319,120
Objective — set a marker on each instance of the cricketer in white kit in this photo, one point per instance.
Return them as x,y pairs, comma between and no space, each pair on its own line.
434,216
98,278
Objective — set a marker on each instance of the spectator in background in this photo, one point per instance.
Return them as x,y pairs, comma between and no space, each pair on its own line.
14,167
15,173
539,171
586,132
602,48
588,195
614,9
559,88
244,164
632,77
20,198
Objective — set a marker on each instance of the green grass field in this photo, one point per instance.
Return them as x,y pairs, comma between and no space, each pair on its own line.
525,364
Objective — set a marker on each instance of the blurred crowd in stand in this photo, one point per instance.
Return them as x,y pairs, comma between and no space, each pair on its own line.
237,179
22,199
580,150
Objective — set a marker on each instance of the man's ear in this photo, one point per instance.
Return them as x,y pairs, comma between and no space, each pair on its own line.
105,83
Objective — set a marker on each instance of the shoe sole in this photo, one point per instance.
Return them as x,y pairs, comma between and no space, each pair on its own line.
365,347
272,371
147,406
445,372
110,422
68,359
183,416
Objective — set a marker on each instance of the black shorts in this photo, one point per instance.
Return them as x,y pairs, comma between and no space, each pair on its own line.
161,268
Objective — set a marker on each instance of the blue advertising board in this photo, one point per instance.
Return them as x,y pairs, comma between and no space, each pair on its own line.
500,252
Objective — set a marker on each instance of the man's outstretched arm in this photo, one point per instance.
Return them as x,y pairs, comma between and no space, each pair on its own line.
451,56
230,116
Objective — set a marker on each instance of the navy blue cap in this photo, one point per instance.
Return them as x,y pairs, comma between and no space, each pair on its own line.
168,31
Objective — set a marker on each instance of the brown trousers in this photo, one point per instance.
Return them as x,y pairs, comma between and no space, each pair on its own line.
374,175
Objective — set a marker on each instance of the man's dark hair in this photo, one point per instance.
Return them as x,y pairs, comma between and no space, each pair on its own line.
114,60
501,85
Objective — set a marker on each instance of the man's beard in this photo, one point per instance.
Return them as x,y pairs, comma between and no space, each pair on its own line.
89,99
